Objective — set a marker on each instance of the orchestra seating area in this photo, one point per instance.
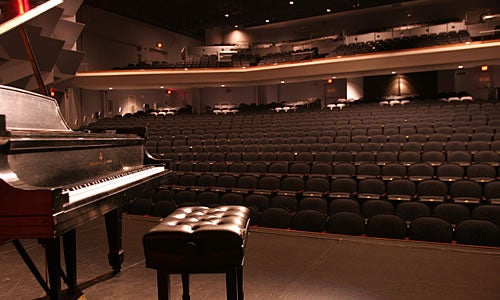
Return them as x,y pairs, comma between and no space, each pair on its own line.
427,170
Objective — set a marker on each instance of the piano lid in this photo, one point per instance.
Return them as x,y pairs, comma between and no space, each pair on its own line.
26,110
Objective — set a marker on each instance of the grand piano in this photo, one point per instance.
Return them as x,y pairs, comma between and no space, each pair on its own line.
53,179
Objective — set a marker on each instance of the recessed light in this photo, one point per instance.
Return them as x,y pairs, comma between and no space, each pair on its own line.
291,3
328,10
460,67
393,72
222,85
236,26
282,81
110,88
267,20
226,15
162,87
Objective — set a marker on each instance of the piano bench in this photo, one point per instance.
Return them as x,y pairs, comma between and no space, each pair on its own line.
199,239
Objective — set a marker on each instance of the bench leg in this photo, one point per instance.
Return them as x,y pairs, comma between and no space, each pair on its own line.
231,285
239,278
163,282
185,286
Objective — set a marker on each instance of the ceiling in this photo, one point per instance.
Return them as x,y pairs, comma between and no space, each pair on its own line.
192,17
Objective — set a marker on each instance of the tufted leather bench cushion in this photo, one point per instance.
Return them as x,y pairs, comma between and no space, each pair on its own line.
198,239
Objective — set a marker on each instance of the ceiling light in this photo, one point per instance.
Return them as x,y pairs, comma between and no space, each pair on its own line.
328,10
489,17
393,72
162,87
291,3
226,15
222,85
460,67
267,20
236,26
282,81
110,88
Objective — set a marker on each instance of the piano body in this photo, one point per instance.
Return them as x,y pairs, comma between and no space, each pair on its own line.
53,179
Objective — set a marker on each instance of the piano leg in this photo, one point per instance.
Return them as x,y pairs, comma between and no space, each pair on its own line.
53,258
113,221
69,244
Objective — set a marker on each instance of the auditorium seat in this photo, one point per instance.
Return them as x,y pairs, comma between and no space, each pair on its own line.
481,172
343,204
372,207
316,187
408,158
401,189
488,212
420,171
346,222
430,229
309,220
453,213
460,157
412,210
291,186
477,232
343,187
450,172
276,217
432,190
487,156
367,170
392,171
231,199
386,225
492,192
465,191
313,203
282,201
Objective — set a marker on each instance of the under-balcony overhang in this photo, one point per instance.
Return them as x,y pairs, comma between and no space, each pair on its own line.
468,55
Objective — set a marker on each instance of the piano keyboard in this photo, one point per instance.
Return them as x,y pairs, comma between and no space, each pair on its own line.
106,184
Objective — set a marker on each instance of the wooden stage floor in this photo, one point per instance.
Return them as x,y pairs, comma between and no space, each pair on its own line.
278,265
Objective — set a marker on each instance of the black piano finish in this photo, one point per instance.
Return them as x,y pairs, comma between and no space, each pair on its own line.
42,159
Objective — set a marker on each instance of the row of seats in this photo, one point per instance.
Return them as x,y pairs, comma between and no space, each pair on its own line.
327,136
448,172
406,42
422,187
333,124
357,113
434,158
444,222
196,146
